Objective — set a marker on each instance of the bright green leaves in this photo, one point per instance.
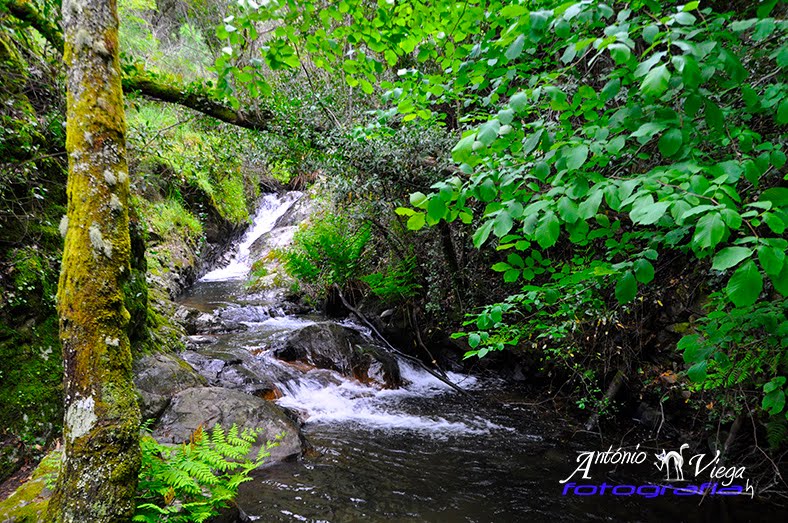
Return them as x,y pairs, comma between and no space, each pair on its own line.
463,151
516,48
670,142
646,212
518,101
620,53
644,271
773,400
482,233
656,81
745,285
730,257
778,196
709,231
547,231
416,221
576,156
626,288
488,132
772,259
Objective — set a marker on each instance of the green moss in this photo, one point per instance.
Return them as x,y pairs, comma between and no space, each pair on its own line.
170,219
31,377
28,503
232,201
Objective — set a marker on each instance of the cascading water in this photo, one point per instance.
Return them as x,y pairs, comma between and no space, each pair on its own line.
414,454
272,207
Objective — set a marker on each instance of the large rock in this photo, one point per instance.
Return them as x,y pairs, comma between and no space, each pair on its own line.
236,368
197,322
208,406
298,213
158,378
341,349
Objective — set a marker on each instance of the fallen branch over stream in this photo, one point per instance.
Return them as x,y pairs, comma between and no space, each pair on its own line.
440,376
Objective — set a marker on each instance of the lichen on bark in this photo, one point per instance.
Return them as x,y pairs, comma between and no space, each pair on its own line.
101,432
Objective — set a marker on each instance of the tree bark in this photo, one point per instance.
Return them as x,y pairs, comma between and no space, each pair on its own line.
98,478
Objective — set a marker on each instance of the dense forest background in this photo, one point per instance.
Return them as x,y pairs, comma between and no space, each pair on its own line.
586,197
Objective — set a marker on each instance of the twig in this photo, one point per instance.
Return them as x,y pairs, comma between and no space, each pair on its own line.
392,348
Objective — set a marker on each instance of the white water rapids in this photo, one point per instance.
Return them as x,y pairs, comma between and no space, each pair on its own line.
271,209
325,397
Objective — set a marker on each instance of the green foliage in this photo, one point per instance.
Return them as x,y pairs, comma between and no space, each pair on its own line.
170,217
190,483
196,161
329,250
395,283
613,130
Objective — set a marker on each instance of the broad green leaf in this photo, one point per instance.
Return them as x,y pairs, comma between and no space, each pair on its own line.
777,195
568,210
656,81
416,221
774,402
619,52
501,267
436,208
780,281
576,156
518,101
548,230
697,372
745,285
511,275
714,117
782,112
709,231
482,233
532,141
464,149
418,200
670,142
644,271
488,132
730,257
646,212
503,224
516,48
487,191
775,223
772,259
590,206
626,288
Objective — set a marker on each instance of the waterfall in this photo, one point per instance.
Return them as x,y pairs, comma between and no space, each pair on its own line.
271,208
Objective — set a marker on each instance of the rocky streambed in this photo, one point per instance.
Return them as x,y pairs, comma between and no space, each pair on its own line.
370,436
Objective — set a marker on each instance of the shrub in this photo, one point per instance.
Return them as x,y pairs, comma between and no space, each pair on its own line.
329,251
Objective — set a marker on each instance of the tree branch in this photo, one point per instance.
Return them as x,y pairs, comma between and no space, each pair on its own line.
201,102
146,84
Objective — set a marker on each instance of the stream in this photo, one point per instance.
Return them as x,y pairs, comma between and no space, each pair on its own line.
422,452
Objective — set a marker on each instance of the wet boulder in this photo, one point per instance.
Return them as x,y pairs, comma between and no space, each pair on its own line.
335,347
196,322
207,406
237,369
158,377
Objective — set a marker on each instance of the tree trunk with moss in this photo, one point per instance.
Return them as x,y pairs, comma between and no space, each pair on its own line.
98,478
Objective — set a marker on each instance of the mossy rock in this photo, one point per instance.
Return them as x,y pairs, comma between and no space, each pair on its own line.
28,503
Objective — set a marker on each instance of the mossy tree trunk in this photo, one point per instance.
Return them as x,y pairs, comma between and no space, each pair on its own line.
98,478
